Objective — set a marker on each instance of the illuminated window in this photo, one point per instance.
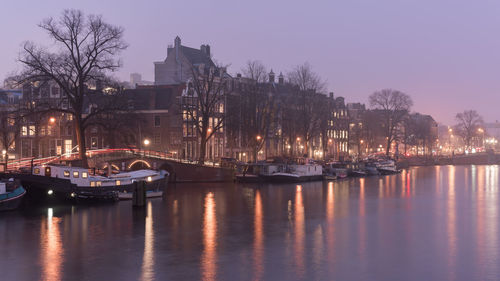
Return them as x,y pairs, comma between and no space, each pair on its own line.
36,171
118,183
32,130
92,183
76,174
24,131
99,183
85,175
150,179
66,174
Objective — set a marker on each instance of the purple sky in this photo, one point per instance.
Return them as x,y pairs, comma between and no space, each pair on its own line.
445,54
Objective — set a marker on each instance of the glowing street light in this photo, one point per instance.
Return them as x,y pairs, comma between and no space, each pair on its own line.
52,120
258,138
146,142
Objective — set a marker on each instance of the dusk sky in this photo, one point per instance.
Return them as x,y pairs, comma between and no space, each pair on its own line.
444,54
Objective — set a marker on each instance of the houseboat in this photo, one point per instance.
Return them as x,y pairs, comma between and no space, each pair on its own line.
299,170
81,183
387,167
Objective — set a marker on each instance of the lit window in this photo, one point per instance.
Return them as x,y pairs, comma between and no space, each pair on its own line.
66,174
92,183
76,174
150,179
32,130
36,171
85,175
24,131
99,183
118,183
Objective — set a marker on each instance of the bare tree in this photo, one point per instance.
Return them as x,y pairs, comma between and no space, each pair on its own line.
306,79
468,124
85,50
394,106
208,88
255,70
309,85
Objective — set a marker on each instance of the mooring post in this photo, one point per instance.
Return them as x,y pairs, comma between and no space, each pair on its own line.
139,194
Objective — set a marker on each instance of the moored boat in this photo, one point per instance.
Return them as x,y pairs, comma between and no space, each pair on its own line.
11,195
79,183
387,167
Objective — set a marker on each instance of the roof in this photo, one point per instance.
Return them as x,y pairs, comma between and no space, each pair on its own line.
196,56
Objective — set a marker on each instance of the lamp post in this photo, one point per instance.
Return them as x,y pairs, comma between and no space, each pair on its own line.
146,143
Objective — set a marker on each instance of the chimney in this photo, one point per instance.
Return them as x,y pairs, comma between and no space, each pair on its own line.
205,49
281,79
238,75
177,41
331,95
271,76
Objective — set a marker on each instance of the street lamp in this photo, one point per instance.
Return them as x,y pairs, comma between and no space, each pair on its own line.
258,138
52,120
146,143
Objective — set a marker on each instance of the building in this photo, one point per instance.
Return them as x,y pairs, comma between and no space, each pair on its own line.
177,68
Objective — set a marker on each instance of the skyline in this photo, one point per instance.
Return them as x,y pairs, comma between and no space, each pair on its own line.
426,50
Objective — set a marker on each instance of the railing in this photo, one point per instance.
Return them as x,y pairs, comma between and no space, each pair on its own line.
27,162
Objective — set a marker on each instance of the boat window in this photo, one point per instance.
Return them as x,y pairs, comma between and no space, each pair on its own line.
92,183
85,175
66,174
118,183
150,179
98,183
76,174
36,171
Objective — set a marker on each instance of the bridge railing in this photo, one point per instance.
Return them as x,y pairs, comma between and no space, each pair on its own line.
105,154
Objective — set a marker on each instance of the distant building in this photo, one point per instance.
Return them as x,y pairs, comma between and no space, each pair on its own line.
177,67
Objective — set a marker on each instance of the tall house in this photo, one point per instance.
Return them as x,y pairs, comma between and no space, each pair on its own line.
177,67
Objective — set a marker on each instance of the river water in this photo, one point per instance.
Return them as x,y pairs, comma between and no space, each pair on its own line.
428,223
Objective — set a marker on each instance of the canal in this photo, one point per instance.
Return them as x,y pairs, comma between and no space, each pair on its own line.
428,223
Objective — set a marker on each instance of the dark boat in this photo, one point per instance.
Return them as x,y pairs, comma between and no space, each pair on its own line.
10,200
60,182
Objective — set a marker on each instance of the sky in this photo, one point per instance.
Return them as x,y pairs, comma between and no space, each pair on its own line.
444,54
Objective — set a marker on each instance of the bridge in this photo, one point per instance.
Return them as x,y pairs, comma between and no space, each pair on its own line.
124,159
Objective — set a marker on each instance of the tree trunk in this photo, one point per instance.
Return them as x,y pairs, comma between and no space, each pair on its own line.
203,149
80,139
388,147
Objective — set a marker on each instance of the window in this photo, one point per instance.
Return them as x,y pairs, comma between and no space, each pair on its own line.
98,183
36,171
92,183
76,174
66,174
118,182
85,175
157,121
24,131
68,131
157,139
32,130
69,117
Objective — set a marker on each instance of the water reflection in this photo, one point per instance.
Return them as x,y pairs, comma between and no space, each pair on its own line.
258,247
51,247
149,240
209,256
427,223
452,224
299,231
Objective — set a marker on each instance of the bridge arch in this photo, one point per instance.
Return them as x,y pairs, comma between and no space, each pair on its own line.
113,166
139,164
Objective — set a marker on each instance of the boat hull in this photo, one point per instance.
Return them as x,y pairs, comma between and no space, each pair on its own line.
248,178
13,201
284,178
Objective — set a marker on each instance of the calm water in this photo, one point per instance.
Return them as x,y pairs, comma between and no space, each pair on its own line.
430,223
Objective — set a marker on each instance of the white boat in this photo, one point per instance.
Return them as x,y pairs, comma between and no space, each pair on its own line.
387,167
292,172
